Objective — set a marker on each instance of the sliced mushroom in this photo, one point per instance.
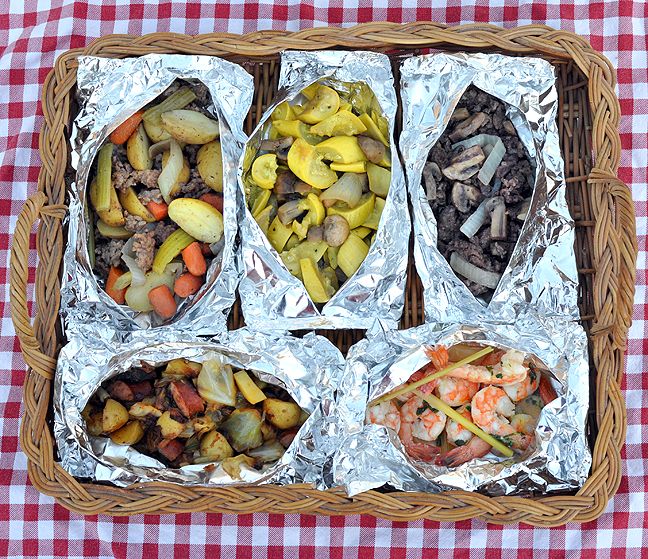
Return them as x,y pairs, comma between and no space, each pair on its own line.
336,230
522,210
508,126
315,234
468,127
302,188
496,207
280,146
464,196
465,165
460,114
289,211
373,150
285,184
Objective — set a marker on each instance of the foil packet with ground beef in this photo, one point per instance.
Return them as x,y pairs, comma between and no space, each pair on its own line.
493,234
152,236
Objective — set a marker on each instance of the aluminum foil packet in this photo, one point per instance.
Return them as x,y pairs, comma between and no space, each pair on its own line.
371,456
271,297
109,91
308,368
542,270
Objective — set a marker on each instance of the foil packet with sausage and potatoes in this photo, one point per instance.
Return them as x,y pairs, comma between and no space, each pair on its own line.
153,212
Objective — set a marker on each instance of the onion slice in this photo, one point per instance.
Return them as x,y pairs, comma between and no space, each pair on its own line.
128,256
348,189
171,172
487,172
159,147
481,140
475,220
473,273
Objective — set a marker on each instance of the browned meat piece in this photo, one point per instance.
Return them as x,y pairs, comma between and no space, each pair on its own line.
152,195
149,177
144,249
171,449
195,188
107,254
141,390
119,390
162,230
186,398
288,436
134,223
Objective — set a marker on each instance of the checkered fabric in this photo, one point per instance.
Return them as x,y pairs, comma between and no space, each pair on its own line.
34,32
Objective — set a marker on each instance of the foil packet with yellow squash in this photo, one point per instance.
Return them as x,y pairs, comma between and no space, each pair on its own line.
326,226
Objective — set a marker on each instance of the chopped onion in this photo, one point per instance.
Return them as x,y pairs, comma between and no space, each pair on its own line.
481,140
123,281
171,172
487,172
475,220
473,273
138,277
348,189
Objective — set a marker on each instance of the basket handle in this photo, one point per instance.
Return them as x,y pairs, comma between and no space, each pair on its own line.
41,363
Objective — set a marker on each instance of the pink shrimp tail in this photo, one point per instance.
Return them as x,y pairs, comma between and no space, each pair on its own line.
546,391
421,451
438,356
475,448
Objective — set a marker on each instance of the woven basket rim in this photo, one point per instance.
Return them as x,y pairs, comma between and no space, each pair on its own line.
614,234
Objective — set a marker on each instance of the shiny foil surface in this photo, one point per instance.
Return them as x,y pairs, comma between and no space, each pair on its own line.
274,299
109,91
308,368
371,456
542,271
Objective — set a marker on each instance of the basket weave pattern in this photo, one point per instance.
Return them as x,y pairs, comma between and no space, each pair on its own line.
606,252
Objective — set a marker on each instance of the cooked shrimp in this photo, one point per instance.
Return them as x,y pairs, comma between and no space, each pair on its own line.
509,370
419,421
438,357
520,390
456,391
490,409
524,423
546,391
386,414
456,433
475,448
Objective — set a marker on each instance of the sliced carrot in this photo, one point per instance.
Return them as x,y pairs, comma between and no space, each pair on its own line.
213,199
162,300
117,295
187,284
159,209
194,259
126,128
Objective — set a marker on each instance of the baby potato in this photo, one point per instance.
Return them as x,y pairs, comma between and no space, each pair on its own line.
199,219
169,427
214,445
182,367
114,416
113,216
137,150
131,433
189,126
209,161
94,421
283,415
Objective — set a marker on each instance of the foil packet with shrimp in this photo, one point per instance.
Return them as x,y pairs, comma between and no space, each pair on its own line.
152,212
481,149
496,409
326,225
241,408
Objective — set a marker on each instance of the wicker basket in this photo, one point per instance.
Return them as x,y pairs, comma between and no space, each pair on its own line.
605,249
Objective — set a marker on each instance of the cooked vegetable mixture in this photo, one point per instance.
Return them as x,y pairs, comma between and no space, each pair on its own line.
479,181
318,184
157,201
468,401
191,413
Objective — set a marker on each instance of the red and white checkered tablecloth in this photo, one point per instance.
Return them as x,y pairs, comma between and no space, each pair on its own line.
34,32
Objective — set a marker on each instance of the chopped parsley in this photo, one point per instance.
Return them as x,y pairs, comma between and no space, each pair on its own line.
460,443
504,440
425,406
499,375
532,375
468,408
489,369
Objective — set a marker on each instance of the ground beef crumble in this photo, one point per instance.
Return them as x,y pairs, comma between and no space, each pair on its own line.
144,249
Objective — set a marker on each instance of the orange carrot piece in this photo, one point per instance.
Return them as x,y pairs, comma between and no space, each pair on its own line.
194,259
162,300
213,199
117,295
159,209
187,284
126,128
